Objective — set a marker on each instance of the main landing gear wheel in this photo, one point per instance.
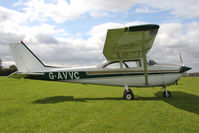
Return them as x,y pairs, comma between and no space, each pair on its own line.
167,94
128,95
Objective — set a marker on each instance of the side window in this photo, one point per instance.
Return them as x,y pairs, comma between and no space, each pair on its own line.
130,64
114,65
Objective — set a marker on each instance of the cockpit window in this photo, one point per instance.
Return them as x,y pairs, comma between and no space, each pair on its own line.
125,64
112,65
152,62
132,63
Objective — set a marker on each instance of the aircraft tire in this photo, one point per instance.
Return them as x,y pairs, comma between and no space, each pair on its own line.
128,95
167,96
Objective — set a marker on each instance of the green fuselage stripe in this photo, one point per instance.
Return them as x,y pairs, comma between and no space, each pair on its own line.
55,76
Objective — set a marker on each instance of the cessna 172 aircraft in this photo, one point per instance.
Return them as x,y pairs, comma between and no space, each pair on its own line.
127,64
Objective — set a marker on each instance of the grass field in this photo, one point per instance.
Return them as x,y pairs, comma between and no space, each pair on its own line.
28,106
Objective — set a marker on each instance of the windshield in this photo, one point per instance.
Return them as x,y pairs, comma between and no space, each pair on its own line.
150,61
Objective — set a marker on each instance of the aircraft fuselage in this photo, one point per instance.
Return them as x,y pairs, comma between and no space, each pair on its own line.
158,75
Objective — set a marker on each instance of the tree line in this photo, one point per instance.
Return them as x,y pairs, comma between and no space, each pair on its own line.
196,74
7,71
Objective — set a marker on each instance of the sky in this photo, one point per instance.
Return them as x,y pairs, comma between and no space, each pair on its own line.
72,33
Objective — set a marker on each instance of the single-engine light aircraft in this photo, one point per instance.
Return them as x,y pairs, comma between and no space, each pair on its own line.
127,63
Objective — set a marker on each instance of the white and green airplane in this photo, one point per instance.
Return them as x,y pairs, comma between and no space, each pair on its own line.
127,64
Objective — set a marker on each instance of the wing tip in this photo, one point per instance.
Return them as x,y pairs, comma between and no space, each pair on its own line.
143,27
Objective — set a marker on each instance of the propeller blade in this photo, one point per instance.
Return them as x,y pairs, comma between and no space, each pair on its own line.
181,61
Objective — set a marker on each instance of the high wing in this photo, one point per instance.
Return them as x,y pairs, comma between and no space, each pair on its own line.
130,43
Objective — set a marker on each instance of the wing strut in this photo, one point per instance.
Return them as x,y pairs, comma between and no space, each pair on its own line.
145,61
145,68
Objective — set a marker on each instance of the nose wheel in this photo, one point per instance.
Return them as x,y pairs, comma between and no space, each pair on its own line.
128,94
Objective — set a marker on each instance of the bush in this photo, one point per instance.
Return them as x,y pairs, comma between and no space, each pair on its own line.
8,71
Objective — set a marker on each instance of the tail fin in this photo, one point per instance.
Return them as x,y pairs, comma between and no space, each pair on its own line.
26,61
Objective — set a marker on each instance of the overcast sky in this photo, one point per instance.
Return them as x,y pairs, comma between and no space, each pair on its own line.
72,32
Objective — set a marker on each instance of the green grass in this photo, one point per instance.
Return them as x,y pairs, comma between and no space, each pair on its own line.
28,106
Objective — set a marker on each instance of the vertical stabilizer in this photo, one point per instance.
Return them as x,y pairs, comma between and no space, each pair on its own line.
26,61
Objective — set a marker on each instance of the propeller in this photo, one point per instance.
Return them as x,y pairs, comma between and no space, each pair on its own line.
181,60
184,68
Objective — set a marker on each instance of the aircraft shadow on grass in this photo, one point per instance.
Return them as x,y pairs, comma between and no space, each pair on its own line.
58,99
181,100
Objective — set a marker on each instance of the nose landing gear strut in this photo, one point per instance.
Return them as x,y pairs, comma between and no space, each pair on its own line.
166,93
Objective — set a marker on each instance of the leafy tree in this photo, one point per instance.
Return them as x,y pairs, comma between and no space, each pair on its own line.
7,71
13,68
